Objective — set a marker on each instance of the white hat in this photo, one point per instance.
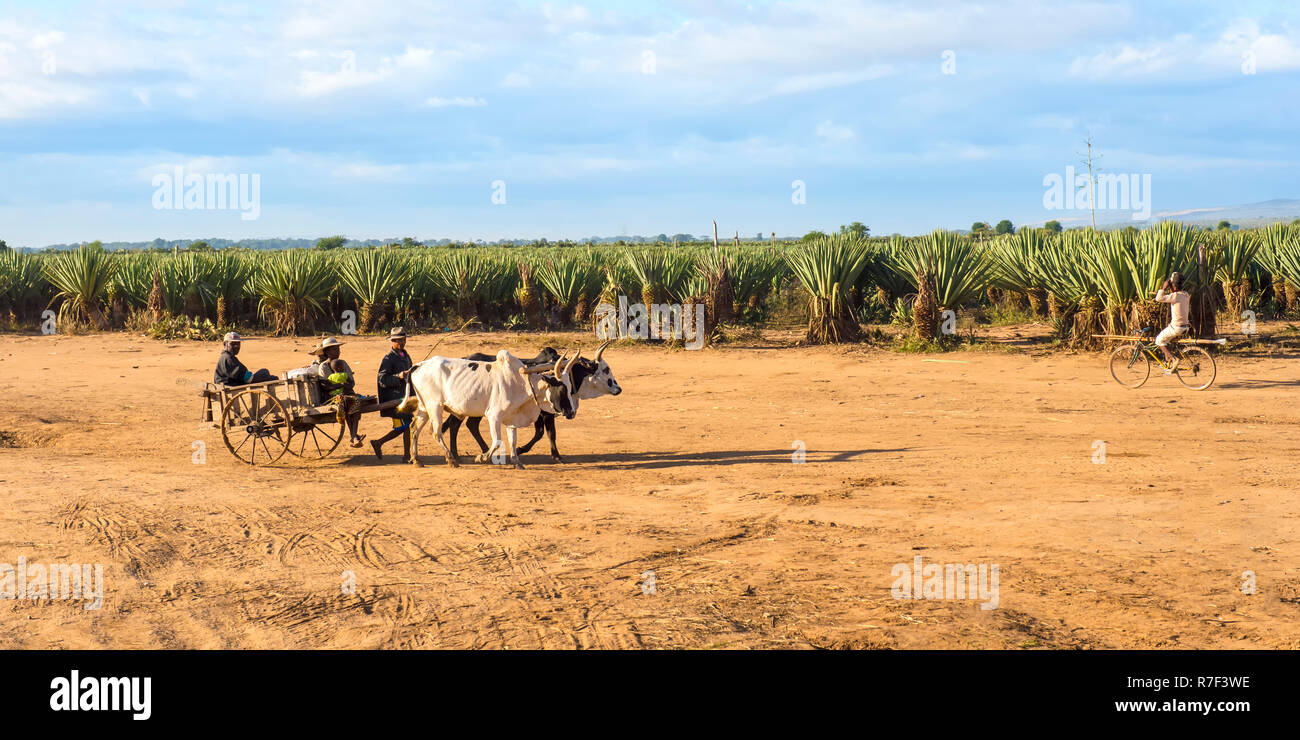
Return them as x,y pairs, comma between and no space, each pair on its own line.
326,342
232,336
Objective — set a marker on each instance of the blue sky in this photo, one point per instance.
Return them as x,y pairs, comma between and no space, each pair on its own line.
378,119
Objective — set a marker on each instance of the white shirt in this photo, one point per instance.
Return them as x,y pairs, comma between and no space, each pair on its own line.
1180,305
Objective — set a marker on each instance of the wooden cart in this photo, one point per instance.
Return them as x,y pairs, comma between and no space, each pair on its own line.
259,422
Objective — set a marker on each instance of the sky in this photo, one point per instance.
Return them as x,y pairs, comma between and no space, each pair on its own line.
517,119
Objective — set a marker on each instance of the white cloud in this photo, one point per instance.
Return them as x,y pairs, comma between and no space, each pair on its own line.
369,171
455,102
834,131
822,81
46,40
24,100
1126,62
1189,57
1064,124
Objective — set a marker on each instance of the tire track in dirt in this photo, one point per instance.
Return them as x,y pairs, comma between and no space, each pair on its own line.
323,536
127,532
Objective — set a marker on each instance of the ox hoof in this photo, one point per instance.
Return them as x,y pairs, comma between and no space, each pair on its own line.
452,463
519,465
557,458
416,463
484,457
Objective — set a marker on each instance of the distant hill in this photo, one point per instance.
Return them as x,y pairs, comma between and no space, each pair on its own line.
295,243
1248,215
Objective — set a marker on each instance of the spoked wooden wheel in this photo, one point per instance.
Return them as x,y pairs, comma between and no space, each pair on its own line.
1129,365
1196,368
315,441
254,427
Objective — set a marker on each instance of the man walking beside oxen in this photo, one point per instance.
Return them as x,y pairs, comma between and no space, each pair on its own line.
394,370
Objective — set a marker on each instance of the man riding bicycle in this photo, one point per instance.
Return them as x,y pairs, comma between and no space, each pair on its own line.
1180,309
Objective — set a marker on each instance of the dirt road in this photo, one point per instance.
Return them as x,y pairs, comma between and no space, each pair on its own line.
688,479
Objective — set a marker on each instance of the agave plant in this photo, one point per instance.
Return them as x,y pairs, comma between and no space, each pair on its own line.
1106,257
529,298
827,268
1075,297
134,278
1156,253
680,267
959,270
1235,252
454,275
81,278
1278,239
229,275
568,278
1018,259
1288,263
21,283
293,287
751,272
422,297
376,278
475,281
187,285
651,272
887,275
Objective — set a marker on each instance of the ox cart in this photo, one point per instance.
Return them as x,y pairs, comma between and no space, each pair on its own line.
259,422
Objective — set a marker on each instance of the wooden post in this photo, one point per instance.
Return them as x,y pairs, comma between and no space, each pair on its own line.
773,240
715,235
1202,318
737,238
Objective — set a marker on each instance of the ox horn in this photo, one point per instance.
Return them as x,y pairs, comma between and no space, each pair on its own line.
559,364
601,351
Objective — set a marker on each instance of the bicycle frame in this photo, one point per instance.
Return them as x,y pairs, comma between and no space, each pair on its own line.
1149,346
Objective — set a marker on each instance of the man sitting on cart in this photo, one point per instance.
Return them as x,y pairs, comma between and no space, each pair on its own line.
341,386
230,371
394,370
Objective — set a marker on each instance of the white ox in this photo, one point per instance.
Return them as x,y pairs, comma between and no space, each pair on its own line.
505,392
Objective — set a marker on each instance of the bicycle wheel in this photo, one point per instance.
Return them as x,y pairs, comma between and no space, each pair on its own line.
1196,368
1129,365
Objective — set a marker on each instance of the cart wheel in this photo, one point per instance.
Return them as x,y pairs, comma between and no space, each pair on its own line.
315,441
253,426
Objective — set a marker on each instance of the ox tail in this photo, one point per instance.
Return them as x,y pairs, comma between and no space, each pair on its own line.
410,402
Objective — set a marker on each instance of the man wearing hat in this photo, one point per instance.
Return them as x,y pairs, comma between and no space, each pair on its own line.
341,384
230,371
394,370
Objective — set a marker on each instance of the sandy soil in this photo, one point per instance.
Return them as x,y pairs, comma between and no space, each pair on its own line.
979,457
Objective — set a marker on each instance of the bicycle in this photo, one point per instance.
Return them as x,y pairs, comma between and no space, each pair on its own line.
1130,363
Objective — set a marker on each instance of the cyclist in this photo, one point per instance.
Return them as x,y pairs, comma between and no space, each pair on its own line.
1180,302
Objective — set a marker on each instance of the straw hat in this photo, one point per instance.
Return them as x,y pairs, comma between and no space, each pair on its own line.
397,332
232,336
324,344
